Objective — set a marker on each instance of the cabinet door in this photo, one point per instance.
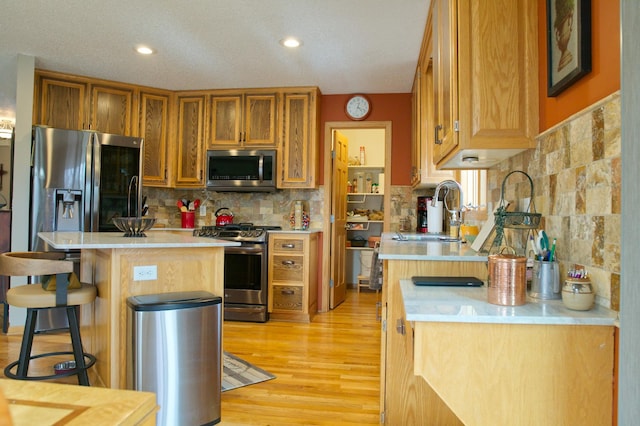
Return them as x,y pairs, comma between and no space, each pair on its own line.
226,121
445,74
299,154
111,110
190,152
61,104
260,120
154,113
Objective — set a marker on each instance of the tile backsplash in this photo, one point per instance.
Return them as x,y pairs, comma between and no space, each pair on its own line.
576,171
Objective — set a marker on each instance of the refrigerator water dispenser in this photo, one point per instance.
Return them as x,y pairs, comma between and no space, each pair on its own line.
68,210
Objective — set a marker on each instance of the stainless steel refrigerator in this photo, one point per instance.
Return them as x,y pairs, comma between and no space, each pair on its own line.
80,181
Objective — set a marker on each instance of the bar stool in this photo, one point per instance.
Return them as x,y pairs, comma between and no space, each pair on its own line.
35,298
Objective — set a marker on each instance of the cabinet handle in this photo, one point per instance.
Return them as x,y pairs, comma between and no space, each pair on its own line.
378,311
287,292
288,246
288,262
437,130
400,326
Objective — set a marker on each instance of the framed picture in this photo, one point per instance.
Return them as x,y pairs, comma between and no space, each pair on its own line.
568,43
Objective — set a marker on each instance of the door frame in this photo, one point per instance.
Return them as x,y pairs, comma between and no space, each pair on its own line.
329,127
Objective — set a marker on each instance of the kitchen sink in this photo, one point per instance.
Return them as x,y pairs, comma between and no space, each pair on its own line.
423,237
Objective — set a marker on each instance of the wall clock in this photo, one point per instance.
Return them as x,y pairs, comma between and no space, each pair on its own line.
358,107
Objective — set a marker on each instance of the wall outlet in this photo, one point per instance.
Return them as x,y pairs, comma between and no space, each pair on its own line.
203,210
145,273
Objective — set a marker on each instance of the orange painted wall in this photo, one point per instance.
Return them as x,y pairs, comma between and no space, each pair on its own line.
604,78
394,107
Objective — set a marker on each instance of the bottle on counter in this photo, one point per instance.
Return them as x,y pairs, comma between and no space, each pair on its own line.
362,163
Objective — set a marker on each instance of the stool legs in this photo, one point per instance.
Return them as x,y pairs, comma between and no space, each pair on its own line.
27,342
76,342
80,358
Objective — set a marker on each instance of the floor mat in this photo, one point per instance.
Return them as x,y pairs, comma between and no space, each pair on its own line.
238,372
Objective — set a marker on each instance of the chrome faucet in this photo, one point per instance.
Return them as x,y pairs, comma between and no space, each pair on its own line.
456,214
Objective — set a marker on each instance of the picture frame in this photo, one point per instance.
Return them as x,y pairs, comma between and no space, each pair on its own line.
568,43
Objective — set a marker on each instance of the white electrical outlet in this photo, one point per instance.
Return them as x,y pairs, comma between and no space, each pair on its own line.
145,273
203,210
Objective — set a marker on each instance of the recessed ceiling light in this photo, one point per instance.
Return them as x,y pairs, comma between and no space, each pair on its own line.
290,42
144,50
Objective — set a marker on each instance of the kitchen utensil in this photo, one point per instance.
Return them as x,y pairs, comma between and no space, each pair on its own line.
224,216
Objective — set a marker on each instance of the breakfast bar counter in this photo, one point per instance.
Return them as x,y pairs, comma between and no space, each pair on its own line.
172,261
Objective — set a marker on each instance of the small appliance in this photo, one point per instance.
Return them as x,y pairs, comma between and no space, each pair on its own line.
241,170
422,214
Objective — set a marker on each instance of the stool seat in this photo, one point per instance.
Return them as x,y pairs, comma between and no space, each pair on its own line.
34,296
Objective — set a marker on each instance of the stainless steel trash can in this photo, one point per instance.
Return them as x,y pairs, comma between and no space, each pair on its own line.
174,349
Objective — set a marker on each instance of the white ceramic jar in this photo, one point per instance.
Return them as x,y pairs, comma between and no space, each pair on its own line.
578,294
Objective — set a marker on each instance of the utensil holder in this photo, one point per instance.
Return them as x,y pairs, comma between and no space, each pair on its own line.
188,219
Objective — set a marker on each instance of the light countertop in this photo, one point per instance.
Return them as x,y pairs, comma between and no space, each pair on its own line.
296,231
432,249
469,305
154,239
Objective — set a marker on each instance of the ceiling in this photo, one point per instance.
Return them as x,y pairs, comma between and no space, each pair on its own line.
368,46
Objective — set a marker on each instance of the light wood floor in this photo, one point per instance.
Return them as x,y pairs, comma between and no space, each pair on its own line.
327,372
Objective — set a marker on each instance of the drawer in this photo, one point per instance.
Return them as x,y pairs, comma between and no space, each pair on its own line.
294,245
287,298
287,268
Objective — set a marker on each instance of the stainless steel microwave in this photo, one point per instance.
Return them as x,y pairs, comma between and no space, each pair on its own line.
241,170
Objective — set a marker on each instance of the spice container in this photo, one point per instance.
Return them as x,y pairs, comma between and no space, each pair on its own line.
507,284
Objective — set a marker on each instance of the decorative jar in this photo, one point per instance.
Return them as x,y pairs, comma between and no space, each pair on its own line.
299,218
578,294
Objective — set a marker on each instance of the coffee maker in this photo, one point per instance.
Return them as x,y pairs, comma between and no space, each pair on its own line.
421,213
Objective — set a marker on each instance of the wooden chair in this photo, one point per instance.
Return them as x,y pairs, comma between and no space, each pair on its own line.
35,298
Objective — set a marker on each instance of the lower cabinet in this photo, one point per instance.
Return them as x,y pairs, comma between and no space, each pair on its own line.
293,276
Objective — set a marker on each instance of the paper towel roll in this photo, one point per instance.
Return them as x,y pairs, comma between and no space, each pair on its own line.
434,218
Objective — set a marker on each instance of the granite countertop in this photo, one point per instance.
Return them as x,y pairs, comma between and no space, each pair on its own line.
154,239
469,305
428,249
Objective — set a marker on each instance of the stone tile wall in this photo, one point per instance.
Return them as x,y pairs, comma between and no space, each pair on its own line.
576,171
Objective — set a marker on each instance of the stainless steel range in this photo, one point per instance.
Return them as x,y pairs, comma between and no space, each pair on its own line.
245,270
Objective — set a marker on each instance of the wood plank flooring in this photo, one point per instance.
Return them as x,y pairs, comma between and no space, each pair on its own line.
327,372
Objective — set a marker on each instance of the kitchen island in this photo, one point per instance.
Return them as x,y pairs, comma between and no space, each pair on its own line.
449,357
170,261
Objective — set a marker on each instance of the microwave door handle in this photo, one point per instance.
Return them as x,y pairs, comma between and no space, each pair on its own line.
261,168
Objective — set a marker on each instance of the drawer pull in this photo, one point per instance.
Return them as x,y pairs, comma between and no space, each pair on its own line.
288,262
287,292
288,246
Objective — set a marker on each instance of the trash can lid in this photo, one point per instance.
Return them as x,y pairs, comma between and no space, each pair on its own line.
175,300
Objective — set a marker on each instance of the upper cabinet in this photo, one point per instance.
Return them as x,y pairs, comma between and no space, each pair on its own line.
190,142
485,72
154,129
60,102
299,153
111,109
243,120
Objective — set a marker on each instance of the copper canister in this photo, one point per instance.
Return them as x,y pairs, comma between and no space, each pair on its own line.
507,284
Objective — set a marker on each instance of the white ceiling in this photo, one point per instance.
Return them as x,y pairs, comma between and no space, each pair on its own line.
368,46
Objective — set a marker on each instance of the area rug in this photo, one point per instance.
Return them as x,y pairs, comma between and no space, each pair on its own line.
238,372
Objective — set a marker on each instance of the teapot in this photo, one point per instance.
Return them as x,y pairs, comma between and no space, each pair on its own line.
223,219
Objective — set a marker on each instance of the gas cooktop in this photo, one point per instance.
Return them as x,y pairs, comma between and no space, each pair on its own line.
247,232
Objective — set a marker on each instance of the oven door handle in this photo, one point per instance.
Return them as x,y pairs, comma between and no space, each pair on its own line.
244,250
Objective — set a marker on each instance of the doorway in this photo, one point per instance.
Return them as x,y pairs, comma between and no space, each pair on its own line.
334,247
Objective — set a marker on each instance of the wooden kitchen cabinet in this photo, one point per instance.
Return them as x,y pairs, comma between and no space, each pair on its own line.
407,399
243,120
112,109
154,129
485,70
299,154
190,141
60,102
293,276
